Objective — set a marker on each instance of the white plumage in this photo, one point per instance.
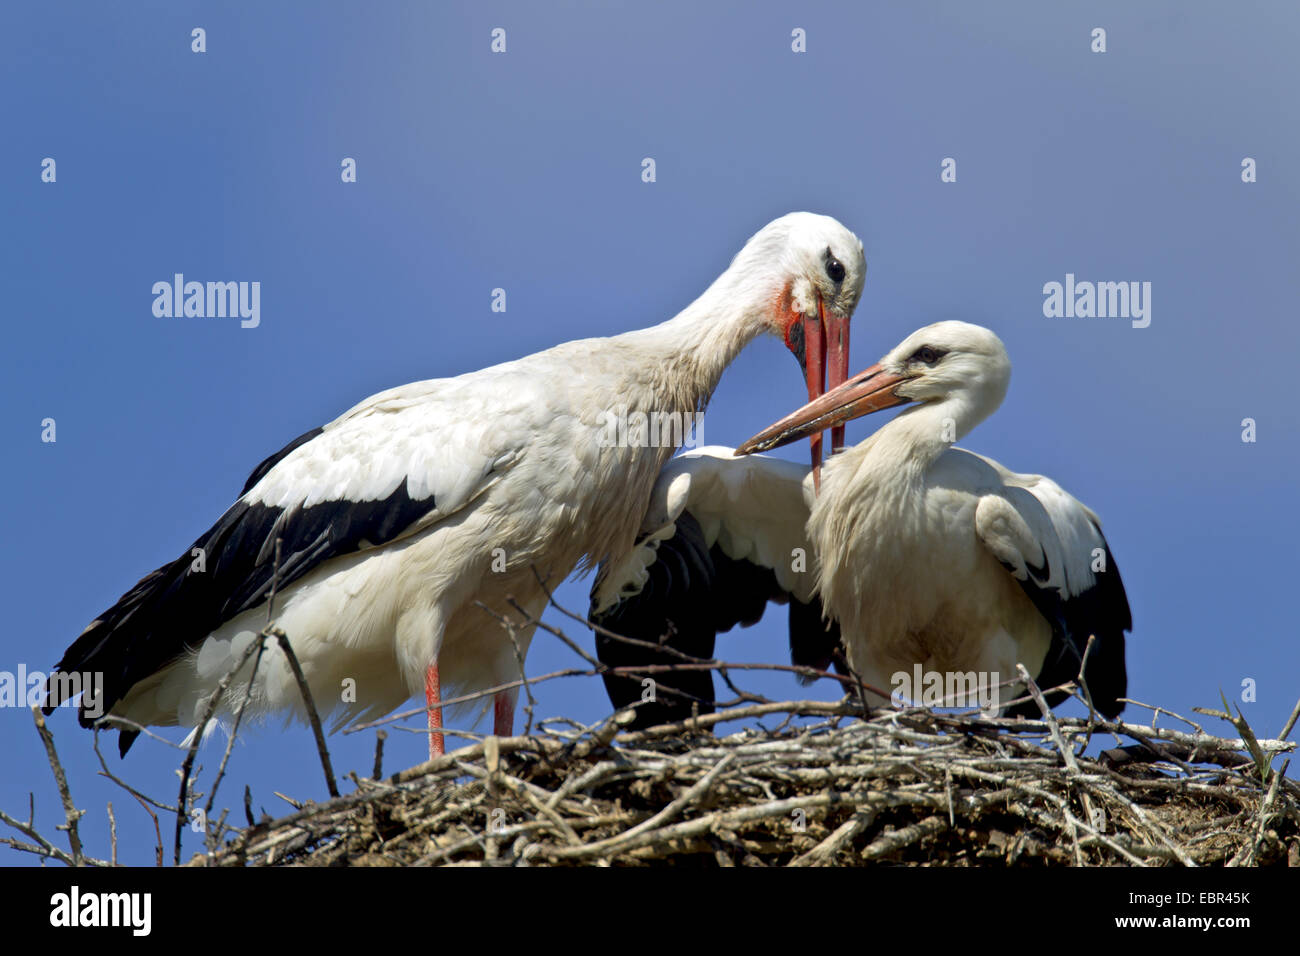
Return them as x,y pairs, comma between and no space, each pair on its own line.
752,508
400,517
920,553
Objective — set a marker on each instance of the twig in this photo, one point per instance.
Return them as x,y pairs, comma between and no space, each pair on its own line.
209,708
239,716
1290,721
112,834
70,811
824,852
321,749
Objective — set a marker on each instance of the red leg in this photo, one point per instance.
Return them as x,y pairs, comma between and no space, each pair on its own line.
432,697
503,713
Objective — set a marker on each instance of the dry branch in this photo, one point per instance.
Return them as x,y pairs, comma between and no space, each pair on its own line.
826,787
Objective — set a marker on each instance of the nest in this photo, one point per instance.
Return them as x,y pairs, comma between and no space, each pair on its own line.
806,784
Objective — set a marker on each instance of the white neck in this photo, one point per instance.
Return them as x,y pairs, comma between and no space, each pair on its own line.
924,432
694,348
896,458
672,367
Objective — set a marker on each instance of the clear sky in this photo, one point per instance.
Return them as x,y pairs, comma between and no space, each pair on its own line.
522,170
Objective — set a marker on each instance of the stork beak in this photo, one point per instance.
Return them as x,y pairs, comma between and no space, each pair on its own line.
824,347
814,338
867,392
837,362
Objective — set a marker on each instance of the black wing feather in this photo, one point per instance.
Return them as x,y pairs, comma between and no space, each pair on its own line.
1102,610
694,593
173,609
272,460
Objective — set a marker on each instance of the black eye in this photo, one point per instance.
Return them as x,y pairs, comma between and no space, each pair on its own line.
834,268
928,355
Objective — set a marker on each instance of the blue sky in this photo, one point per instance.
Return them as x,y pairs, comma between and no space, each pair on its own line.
522,170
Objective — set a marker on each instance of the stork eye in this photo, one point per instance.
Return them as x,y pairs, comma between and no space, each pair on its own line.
834,268
928,355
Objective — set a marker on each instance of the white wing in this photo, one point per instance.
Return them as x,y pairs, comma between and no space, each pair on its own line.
752,507
1053,546
723,538
391,466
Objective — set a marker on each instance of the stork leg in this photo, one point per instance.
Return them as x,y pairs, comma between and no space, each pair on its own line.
433,699
512,667
503,713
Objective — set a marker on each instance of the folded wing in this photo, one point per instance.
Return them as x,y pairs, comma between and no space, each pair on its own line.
1053,546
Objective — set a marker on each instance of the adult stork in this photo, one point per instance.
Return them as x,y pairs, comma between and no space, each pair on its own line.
409,523
921,555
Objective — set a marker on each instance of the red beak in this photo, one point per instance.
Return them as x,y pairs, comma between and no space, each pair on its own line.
837,362
826,356
814,341
868,391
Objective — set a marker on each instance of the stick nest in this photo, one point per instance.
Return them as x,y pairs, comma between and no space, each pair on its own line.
810,783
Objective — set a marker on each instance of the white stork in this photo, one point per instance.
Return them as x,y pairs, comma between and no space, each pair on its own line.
398,519
919,553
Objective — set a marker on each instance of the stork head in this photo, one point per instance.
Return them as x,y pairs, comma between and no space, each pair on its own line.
964,367
819,270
